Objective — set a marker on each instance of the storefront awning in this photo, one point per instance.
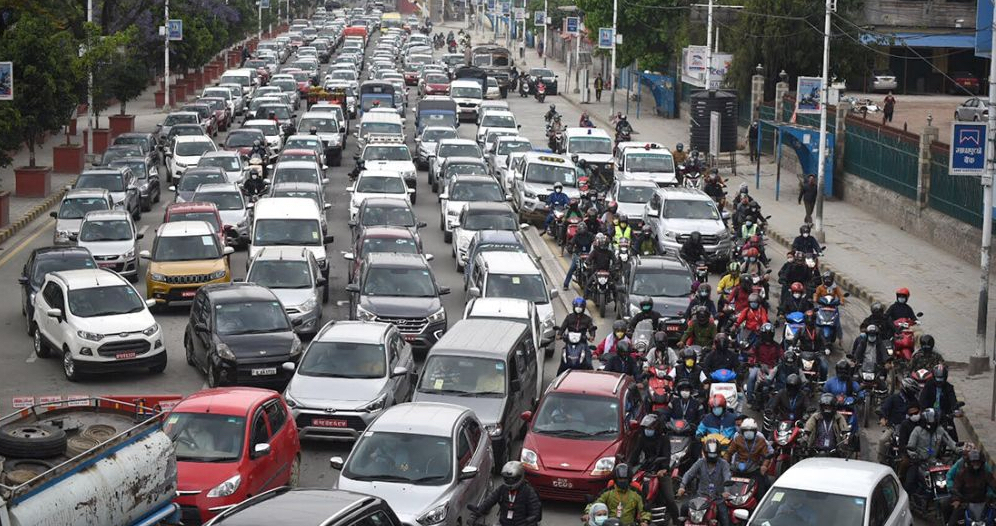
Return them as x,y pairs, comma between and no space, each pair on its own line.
949,40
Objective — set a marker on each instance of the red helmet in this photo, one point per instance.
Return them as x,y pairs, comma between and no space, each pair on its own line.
717,400
755,240
903,292
797,287
753,252
922,376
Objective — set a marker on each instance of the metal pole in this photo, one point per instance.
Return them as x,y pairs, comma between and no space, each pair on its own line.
612,74
259,19
979,362
577,60
708,75
822,168
166,60
546,24
89,91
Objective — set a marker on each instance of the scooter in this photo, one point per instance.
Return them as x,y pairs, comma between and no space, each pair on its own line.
828,317
540,92
794,322
744,491
932,494
979,514
524,87
577,353
570,230
724,382
903,341
659,388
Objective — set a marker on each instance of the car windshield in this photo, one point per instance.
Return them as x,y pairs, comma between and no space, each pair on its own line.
465,169
498,121
399,245
401,458
344,360
590,144
105,301
475,191
463,376
294,192
223,200
241,80
321,124
436,78
138,141
191,148
305,156
44,265
798,507
550,174
186,248
437,135
295,175
228,163
284,84
541,72
190,181
459,150
382,128
406,282
303,144
661,283
388,216
207,217
111,230
288,232
109,182
490,220
206,437
173,120
280,111
649,162
250,317
386,153
137,167
76,208
688,209
241,140
184,130
507,147
269,129
371,101
343,74
280,274
528,287
578,416
374,184
635,194
466,92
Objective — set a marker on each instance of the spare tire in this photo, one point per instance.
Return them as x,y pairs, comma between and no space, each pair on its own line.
78,444
32,441
99,432
20,471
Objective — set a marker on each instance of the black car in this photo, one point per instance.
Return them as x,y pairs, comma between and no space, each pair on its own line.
400,289
667,281
548,76
119,151
239,333
147,141
146,178
309,507
385,211
41,262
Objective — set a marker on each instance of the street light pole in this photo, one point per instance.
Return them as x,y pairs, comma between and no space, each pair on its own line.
822,168
89,90
708,71
979,362
612,74
546,24
166,59
259,19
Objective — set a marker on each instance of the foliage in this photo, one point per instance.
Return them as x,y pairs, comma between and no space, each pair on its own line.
652,33
125,77
102,57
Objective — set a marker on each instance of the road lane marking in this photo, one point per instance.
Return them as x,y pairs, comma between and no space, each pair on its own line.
31,357
25,242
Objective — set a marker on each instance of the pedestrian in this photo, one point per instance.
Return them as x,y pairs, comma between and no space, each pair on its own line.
245,54
522,49
889,107
755,153
807,195
599,86
539,49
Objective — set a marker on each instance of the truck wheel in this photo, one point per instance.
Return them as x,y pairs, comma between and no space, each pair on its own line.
32,441
21,471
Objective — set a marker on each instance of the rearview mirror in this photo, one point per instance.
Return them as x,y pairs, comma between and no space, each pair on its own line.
353,287
228,251
444,291
328,239
399,371
145,254
741,514
336,463
468,472
429,257
526,416
261,450
288,366
348,256
150,303
54,313
474,292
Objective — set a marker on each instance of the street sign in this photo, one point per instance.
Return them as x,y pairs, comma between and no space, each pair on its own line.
572,23
506,8
539,18
605,38
6,81
174,29
264,4
520,13
968,148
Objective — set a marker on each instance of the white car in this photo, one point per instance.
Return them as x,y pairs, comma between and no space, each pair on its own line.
477,216
425,144
187,151
450,148
111,237
98,323
391,156
231,162
270,129
376,183
460,191
647,162
496,120
232,208
632,196
502,148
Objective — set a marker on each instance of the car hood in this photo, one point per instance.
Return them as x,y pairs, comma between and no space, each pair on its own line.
631,209
408,501
358,197
293,297
667,306
197,266
258,345
427,147
68,225
122,323
184,196
339,393
108,248
597,158
707,227
657,177
186,160
542,189
488,409
202,476
391,166
399,306
570,454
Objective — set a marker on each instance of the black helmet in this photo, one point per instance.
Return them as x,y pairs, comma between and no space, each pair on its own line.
910,388
941,373
619,325
878,309
790,357
711,450
927,343
688,353
843,370
804,229
793,383
623,218
623,347
582,228
929,418
720,342
512,474
650,421
679,147
695,237
701,314
827,277
826,403
553,107
646,304
622,475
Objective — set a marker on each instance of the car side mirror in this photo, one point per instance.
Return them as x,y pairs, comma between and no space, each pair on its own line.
328,239
421,224
150,303
54,313
348,256
399,371
200,327
54,214
288,366
260,450
74,237
741,514
526,416
336,463
353,288
172,188
139,236
296,322
468,473
23,280
474,292
145,254
227,251
444,291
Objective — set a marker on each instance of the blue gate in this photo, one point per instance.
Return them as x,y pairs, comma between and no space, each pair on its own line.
662,86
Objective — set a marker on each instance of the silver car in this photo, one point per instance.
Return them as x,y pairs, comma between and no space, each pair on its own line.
973,109
292,273
351,373
73,208
111,236
429,460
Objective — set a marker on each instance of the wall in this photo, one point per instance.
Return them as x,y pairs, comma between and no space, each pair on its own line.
918,14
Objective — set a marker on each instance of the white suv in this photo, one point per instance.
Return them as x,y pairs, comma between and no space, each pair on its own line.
98,322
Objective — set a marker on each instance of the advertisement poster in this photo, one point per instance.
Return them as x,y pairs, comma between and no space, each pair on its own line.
693,66
808,97
605,38
6,81
539,18
174,29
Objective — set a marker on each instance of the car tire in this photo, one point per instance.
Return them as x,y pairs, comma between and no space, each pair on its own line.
188,351
137,214
447,236
133,278
32,441
212,375
69,366
146,205
294,480
160,367
41,348
29,324
159,195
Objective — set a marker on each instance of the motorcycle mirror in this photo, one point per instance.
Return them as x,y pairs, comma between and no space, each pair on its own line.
919,315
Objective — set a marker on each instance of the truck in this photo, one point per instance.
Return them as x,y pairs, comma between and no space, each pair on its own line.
87,462
495,60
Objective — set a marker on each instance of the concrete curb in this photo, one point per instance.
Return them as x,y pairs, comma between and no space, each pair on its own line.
33,214
548,263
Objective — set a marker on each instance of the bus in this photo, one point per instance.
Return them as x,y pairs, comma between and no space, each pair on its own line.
389,20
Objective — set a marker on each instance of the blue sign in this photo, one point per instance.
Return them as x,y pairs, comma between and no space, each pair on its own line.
264,4
572,25
506,8
174,29
539,18
605,38
491,5
968,148
984,25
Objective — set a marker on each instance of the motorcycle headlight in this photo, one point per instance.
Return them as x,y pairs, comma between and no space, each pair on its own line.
434,516
218,274
225,352
697,516
91,336
808,364
226,488
364,315
941,482
157,277
529,459
604,466
376,405
602,280
866,376
739,500
439,315
494,429
154,328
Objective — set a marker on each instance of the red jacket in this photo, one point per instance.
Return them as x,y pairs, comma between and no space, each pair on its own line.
608,345
768,353
753,319
739,298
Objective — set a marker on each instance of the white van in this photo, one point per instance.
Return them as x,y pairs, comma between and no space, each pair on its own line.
645,161
289,222
384,125
468,96
243,77
501,274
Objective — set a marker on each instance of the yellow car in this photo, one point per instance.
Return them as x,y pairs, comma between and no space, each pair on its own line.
185,256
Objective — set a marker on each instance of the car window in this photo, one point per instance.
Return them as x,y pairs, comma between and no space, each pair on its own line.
259,433
276,414
883,501
464,452
377,518
474,433
53,295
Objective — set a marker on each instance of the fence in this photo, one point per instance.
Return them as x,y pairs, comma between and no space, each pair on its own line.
957,196
882,157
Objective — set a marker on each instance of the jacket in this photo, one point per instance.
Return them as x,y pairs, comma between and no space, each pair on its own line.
861,349
884,324
808,192
652,315
787,407
900,310
621,232
690,410
947,403
928,361
608,345
695,375
739,297
833,290
768,353
728,281
717,360
959,465
725,425
556,199
893,409
524,503
691,252
836,386
652,453
574,322
756,451
806,244
581,243
792,272
701,335
814,431
601,259
811,339
711,480
629,502
973,486
628,365
696,301
790,304
753,319
927,444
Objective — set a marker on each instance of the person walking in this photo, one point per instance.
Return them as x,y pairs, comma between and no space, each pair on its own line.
889,107
599,86
807,195
755,153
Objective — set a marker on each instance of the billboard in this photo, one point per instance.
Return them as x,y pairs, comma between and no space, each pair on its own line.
572,24
6,81
693,66
605,38
809,91
539,18
174,29
968,148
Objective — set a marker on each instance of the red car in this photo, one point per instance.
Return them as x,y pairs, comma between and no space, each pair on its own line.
302,78
297,154
207,212
241,140
221,115
231,443
434,84
964,80
584,421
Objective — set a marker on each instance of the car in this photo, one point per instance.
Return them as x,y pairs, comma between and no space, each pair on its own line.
241,140
674,213
309,190
305,142
207,212
184,190
491,241
645,161
491,139
400,289
117,151
232,207
112,239
356,368
533,176
331,131
294,276
591,145
174,118
311,507
40,262
271,131
186,152
520,310
883,80
434,84
468,96
287,155
973,109
231,103
97,322
475,217
964,81
390,155
239,334
146,141
185,256
122,184
297,172
379,124
631,195
231,443
493,92
429,460
514,275
381,239
425,143
229,161
547,76
373,184
450,148
667,280
222,115
834,491
146,178
206,114
290,222
584,422
498,157
73,207
490,366
462,190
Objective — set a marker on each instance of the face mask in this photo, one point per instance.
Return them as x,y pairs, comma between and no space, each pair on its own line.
645,308
578,310
718,411
649,433
712,460
805,235
703,294
685,395
689,363
797,296
599,519
872,338
901,299
753,305
615,221
748,224
915,417
749,435
619,335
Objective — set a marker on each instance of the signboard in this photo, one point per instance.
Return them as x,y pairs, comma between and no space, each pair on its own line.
714,123
693,66
984,25
968,148
571,25
809,91
605,38
6,81
506,8
174,29
20,402
264,4
539,18
520,13
492,5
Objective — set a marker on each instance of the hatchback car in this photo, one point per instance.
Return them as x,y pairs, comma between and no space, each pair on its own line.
475,217
454,167
185,256
308,507
112,239
350,373
231,443
461,191
120,181
74,206
195,177
376,183
39,264
118,151
146,178
429,460
232,207
450,148
385,211
294,276
186,152
231,162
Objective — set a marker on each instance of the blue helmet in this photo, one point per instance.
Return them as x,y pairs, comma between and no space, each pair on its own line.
579,302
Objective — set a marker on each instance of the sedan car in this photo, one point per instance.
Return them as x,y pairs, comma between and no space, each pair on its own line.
883,80
375,239
434,84
195,177
376,183
146,178
964,82
429,460
294,276
187,151
547,75
973,109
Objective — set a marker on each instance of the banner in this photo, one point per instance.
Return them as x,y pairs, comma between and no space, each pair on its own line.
605,38
6,81
174,29
539,18
693,66
808,93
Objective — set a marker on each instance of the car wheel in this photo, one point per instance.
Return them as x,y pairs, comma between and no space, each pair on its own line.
413,197
159,195
212,375
69,366
159,368
976,117
146,205
325,293
295,473
448,237
29,323
188,351
137,214
41,348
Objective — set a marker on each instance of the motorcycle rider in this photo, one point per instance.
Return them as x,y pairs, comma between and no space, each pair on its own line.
254,186
972,485
767,353
892,413
740,296
826,428
787,366
585,121
622,229
609,217
751,448
753,317
926,357
701,330
622,500
258,150
939,395
679,154
616,336
880,320
518,503
842,384
645,243
551,114
810,339
601,257
622,361
718,419
794,271
828,287
578,320
749,228
701,298
652,454
591,219
647,312
805,242
901,308
925,444
714,186
687,369
712,473
579,244
790,402
623,127
692,250
878,352
729,280
556,199
721,357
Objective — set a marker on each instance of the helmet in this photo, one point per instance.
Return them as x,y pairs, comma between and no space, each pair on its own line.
649,421
688,353
720,341
695,237
646,304
623,218
927,343
313,130
929,417
622,117
752,252
717,400
622,475
711,449
753,298
553,107
748,425
843,369
877,309
558,186
790,357
797,288
903,292
647,230
909,387
680,147
512,474
613,206
941,373
827,277
256,142
871,329
826,403
793,383
744,188
733,268
701,314
578,303
601,239
683,385
805,229
767,328
582,228
623,347
974,457
922,376
619,326
799,257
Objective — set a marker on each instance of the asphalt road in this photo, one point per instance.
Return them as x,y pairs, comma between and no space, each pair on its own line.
24,375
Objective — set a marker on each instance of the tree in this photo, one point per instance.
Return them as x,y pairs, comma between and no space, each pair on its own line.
43,80
127,77
102,57
652,30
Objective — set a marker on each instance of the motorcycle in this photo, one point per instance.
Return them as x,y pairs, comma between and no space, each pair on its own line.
811,369
692,179
724,382
744,494
681,434
659,388
540,92
452,47
604,291
932,495
979,514
570,230
873,383
794,322
903,341
828,317
847,407
786,439
702,272
623,136
559,213
642,339
524,87
577,353
554,139
702,511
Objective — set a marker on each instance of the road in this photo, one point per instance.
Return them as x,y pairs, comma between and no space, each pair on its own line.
24,375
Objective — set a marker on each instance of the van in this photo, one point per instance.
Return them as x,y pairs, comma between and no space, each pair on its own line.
289,222
638,161
488,366
512,309
380,124
243,77
468,95
514,275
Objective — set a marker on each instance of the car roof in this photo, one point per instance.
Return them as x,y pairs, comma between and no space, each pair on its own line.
103,215
59,252
636,182
497,110
487,206
193,138
353,331
232,401
395,232
457,141
832,475
479,337
474,179
465,83
655,147
499,237
421,418
500,307
380,173
502,262
589,382
220,153
397,260
677,192
88,278
662,262
77,193
577,132
296,506
297,185
385,202
184,113
184,228
282,253
216,188
547,158
255,122
463,160
297,164
238,292
190,206
286,208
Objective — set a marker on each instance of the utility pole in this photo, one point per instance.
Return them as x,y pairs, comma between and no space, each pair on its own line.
546,24
612,74
708,71
89,90
821,170
979,362
166,59
259,19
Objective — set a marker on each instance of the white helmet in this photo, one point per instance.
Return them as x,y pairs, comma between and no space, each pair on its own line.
748,425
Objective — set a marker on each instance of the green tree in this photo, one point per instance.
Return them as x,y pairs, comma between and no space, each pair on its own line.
653,30
43,81
102,57
126,74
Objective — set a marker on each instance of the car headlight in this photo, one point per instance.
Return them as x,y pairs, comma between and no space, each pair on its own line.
434,516
226,488
364,315
178,164
92,336
62,235
218,274
295,347
154,328
335,139
376,405
439,315
225,352
604,466
130,254
453,212
154,276
670,236
529,459
291,402
307,305
494,430
529,195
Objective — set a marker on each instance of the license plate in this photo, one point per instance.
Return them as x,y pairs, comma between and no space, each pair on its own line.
409,337
562,483
106,265
125,355
673,328
328,422
188,293
266,371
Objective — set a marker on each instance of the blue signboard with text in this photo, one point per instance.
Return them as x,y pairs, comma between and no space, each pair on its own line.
572,25
174,29
968,148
